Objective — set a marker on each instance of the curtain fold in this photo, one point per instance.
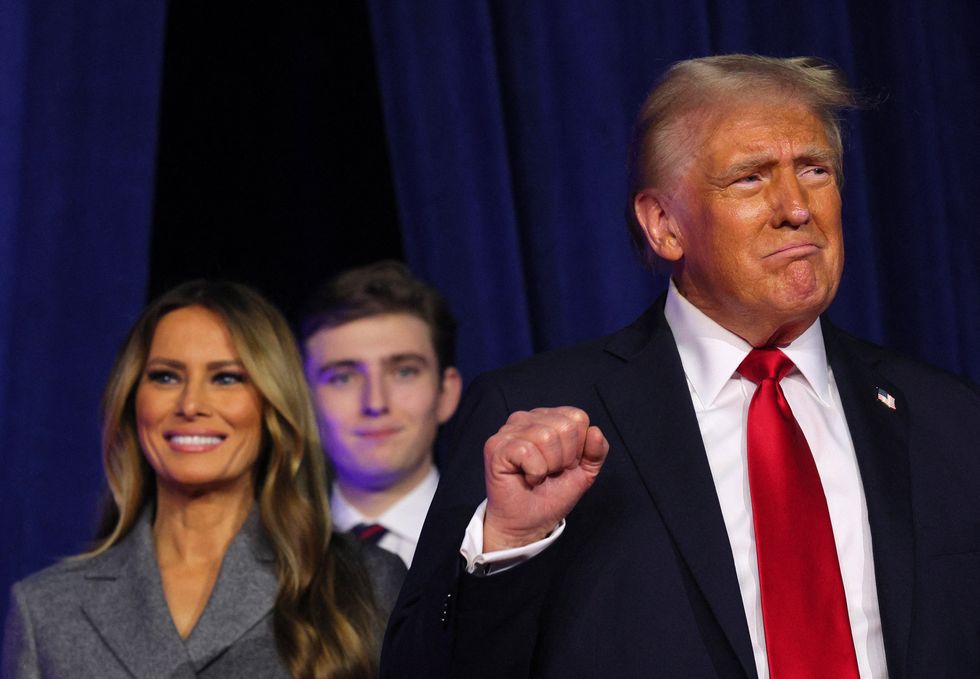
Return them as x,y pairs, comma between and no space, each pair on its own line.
79,89
508,125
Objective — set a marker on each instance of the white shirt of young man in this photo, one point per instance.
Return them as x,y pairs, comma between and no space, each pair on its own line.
710,355
403,519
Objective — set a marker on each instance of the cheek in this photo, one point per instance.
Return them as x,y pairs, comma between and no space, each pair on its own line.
149,410
244,413
336,409
743,223
417,400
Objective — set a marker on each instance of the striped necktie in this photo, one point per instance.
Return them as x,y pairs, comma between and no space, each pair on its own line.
369,532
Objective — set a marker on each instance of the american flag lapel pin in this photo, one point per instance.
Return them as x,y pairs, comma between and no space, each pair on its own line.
886,398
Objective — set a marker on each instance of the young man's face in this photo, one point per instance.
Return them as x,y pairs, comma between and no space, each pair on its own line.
379,399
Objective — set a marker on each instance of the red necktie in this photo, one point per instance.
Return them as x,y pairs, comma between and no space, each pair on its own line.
804,612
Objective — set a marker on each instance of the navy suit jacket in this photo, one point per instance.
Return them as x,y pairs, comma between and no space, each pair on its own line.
642,582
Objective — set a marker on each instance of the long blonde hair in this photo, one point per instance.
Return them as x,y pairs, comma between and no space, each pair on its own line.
325,618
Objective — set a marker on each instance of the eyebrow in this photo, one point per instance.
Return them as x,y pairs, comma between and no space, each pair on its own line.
212,365
407,357
813,154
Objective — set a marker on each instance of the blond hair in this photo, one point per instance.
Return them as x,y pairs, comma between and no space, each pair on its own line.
706,84
325,618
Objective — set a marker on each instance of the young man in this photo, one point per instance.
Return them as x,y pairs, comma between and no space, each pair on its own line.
379,349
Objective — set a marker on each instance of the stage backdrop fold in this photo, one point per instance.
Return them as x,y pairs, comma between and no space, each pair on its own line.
79,87
508,124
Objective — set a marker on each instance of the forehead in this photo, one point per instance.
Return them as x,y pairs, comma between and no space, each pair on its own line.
770,130
192,332
371,339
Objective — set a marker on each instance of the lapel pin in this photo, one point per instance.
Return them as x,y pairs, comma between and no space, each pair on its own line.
886,398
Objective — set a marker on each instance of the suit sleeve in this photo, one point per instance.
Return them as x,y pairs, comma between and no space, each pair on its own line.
19,650
446,622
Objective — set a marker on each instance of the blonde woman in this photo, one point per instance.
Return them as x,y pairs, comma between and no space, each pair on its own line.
216,557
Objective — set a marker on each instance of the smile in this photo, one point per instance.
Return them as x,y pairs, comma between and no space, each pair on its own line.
195,440
193,443
376,433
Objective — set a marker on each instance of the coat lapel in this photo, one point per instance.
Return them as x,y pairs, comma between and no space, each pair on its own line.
123,598
649,405
243,595
880,438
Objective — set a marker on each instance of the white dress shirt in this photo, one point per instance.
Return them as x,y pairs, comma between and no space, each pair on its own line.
403,519
710,355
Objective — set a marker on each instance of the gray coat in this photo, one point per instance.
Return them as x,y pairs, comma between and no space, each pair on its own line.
107,616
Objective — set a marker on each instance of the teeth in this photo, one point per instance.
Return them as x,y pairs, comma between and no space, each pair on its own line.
196,440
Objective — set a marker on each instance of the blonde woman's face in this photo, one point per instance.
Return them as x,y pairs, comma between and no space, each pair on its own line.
198,415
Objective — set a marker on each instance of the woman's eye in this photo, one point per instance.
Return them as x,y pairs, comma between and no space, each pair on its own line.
228,378
163,377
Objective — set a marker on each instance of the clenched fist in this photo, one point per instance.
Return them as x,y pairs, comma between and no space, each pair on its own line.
537,467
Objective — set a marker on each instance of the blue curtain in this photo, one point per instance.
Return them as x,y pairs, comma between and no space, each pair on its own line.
79,89
508,125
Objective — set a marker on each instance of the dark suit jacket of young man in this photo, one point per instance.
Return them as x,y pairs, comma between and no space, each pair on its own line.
642,582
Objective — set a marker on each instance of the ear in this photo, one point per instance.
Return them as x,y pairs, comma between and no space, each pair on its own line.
659,224
449,393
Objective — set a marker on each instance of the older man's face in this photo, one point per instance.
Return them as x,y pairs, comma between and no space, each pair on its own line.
756,218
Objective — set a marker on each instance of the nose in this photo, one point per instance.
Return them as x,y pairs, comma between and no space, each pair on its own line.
374,398
790,202
193,401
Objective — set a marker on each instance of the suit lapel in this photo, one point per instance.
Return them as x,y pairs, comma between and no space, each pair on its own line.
123,598
243,595
649,405
880,441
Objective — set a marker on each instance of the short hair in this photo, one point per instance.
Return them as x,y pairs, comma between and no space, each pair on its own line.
385,287
698,85
319,622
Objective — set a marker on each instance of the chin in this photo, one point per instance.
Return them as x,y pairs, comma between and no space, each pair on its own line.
805,293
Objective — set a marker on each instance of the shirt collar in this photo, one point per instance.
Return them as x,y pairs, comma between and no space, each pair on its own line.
711,354
404,518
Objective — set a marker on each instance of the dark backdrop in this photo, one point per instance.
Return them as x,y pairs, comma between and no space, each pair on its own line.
238,143
79,88
271,166
506,124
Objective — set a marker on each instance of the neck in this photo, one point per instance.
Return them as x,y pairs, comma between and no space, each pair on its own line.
197,527
776,329
372,503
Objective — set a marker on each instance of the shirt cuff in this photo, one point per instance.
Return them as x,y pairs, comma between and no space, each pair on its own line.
480,563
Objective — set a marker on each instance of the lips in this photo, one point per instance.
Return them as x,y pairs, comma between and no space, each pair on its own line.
376,434
795,250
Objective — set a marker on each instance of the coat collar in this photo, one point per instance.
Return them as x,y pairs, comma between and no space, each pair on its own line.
123,597
647,401
642,401
880,436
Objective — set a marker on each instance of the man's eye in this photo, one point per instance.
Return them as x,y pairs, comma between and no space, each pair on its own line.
407,371
229,378
338,378
163,377
749,179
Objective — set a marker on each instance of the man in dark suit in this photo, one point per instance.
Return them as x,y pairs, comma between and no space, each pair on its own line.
730,486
